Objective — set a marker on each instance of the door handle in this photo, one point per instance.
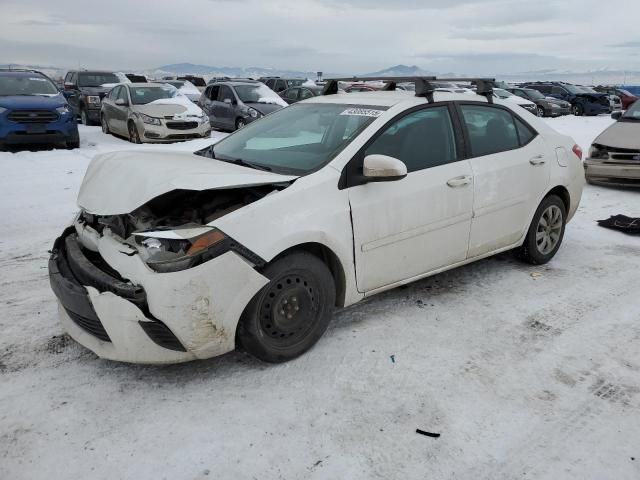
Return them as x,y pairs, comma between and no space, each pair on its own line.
537,160
460,181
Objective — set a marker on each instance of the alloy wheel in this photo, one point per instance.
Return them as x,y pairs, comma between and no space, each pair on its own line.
549,229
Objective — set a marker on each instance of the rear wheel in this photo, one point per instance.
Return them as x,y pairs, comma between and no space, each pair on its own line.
540,111
73,144
134,136
577,110
545,232
288,316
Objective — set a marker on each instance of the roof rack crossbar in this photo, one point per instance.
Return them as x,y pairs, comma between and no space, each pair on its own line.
424,87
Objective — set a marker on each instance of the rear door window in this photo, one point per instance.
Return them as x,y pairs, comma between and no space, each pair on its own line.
490,129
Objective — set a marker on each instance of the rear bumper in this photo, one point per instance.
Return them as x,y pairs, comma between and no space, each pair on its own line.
622,174
152,318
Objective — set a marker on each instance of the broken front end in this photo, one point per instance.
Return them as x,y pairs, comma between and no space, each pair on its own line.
159,284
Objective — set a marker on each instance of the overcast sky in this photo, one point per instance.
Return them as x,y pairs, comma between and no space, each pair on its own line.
341,36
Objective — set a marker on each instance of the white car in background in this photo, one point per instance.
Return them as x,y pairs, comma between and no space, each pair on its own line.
186,88
510,97
255,240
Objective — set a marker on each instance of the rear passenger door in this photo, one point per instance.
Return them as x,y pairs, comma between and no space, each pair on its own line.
406,228
510,164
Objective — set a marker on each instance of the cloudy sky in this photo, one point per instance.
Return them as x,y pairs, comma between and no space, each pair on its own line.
342,36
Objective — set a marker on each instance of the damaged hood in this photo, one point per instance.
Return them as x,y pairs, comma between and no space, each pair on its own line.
621,135
118,183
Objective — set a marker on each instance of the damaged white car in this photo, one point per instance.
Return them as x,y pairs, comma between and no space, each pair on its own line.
254,241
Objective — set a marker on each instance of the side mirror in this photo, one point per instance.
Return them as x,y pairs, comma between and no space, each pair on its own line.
382,168
616,115
121,102
69,86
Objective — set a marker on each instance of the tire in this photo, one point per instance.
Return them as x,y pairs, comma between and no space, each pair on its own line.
104,125
72,144
577,110
540,111
547,226
290,314
240,123
84,117
134,136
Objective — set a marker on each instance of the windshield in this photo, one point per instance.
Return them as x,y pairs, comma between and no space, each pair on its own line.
174,83
144,95
32,84
96,79
534,94
298,139
258,93
500,93
632,113
625,92
572,89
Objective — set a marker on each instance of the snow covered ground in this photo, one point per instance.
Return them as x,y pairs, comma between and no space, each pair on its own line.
525,372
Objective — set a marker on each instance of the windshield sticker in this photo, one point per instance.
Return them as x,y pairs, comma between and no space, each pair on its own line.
362,112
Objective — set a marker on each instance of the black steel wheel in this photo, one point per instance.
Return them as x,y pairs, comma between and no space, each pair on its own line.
290,314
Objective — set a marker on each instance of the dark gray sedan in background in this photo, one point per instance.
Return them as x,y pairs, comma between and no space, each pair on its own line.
233,104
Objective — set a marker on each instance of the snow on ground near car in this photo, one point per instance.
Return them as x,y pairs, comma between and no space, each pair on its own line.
525,371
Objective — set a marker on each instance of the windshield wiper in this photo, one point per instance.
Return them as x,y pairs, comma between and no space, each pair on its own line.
241,162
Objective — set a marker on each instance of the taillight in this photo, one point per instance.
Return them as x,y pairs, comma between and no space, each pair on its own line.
578,151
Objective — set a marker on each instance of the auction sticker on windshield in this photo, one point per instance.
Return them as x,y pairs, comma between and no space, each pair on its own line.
362,112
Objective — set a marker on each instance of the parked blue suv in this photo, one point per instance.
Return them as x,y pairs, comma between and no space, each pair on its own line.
34,111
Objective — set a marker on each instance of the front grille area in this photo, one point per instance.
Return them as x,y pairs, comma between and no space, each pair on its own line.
91,325
182,125
33,116
161,335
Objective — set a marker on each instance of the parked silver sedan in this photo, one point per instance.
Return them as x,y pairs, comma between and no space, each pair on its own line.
146,112
614,157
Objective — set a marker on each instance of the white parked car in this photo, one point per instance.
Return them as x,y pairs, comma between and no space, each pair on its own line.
255,240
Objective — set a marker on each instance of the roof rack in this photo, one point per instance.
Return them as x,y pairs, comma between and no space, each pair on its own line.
424,85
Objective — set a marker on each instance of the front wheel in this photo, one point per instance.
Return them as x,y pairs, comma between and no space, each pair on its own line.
577,110
84,117
240,123
540,112
288,316
134,136
104,124
545,232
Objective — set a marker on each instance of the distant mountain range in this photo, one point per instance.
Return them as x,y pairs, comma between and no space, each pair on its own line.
602,76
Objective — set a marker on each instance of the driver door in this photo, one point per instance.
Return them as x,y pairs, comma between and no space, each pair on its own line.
403,229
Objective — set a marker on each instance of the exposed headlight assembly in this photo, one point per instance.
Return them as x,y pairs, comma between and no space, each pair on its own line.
150,120
253,113
93,99
597,152
166,251
63,110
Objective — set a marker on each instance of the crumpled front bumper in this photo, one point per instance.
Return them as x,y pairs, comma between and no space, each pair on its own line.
113,304
609,173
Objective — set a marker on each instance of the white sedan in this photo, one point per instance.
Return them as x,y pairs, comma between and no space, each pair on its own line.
255,240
